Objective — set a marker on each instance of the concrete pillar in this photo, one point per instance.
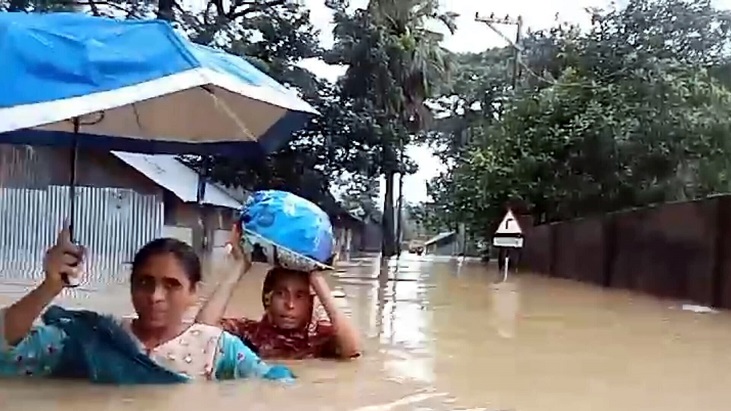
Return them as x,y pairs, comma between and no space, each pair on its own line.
348,242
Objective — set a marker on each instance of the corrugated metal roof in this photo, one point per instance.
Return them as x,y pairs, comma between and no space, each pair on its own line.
438,237
166,171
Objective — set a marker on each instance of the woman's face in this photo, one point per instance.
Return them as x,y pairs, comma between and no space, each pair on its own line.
290,306
162,292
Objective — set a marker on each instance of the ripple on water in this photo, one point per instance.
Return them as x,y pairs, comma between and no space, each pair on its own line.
444,336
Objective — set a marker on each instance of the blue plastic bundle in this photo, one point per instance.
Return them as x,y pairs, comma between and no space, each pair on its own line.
286,230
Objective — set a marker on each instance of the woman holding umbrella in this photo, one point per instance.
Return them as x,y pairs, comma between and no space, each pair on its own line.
156,347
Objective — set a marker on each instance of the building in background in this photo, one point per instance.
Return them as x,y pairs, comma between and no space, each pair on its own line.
448,244
348,231
371,235
122,201
442,244
362,232
206,227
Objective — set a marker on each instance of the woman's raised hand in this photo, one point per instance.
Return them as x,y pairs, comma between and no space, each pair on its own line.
215,306
63,261
236,249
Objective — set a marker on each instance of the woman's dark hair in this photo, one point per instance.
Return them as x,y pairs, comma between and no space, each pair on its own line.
274,275
183,252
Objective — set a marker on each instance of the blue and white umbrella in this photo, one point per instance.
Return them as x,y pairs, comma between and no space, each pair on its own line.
134,86
75,80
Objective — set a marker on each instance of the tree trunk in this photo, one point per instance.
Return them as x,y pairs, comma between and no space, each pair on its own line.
387,242
18,5
400,212
400,207
165,10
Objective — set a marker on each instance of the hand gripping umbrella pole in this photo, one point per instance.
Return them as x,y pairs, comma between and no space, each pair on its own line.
73,173
73,282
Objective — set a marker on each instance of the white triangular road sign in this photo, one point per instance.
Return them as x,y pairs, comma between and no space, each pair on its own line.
509,225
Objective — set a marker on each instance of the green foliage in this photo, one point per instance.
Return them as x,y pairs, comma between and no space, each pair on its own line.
633,112
360,196
427,220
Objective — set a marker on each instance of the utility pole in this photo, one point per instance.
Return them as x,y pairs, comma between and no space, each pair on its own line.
492,22
461,227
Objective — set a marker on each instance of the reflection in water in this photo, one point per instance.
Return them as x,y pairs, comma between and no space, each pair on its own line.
444,336
406,322
505,306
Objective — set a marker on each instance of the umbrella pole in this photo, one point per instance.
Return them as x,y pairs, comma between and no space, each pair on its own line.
73,282
72,177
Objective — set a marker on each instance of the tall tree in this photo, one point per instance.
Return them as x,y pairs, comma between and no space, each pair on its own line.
393,62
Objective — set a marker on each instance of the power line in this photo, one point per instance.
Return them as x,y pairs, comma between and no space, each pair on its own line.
491,22
518,48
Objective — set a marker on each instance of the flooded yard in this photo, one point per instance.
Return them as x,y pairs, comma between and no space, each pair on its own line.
440,335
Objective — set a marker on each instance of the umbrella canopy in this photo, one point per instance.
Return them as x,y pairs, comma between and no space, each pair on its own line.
134,86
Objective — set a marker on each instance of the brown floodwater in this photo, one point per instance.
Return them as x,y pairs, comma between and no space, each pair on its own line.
440,335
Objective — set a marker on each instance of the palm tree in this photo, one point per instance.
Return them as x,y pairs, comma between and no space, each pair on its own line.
395,61
417,64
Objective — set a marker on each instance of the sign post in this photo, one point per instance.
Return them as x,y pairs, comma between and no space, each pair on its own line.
508,235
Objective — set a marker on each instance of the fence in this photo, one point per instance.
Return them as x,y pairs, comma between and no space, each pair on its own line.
111,222
675,250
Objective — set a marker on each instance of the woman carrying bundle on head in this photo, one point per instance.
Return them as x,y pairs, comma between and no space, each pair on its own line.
301,318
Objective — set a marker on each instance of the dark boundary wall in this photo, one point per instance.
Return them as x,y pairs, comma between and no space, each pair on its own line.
675,250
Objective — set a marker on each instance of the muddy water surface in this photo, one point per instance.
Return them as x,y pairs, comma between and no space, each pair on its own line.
443,336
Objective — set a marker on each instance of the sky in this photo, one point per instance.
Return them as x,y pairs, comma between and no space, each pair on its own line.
471,36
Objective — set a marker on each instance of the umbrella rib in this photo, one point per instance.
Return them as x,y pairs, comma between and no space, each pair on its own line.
230,113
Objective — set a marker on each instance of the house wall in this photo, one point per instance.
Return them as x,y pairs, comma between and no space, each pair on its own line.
347,241
183,221
117,210
371,237
348,233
